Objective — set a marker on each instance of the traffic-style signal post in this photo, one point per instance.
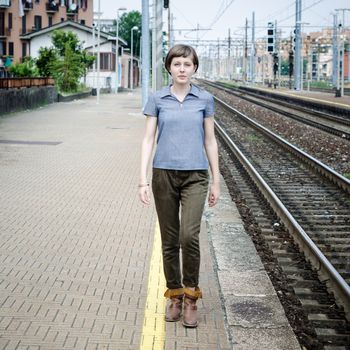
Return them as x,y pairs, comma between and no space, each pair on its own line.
270,37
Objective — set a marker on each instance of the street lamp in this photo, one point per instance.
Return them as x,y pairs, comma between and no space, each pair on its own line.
98,51
132,58
117,51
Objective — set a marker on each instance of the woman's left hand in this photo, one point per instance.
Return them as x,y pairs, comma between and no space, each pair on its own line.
214,194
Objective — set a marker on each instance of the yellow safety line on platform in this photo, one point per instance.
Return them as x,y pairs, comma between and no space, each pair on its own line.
153,331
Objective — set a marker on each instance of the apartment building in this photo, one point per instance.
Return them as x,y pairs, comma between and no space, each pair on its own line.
20,17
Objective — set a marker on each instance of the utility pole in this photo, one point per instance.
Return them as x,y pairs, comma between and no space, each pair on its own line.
297,54
335,50
245,54
278,34
157,47
341,51
170,25
98,51
252,52
94,64
229,55
145,52
218,61
171,32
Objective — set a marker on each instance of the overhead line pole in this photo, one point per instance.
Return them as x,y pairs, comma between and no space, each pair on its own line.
245,55
145,73
298,48
252,52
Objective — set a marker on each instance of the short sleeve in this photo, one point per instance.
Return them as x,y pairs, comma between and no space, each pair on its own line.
210,107
151,107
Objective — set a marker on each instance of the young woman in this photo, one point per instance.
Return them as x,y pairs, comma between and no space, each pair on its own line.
183,114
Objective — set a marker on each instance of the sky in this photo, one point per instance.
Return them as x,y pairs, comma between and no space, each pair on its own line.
221,15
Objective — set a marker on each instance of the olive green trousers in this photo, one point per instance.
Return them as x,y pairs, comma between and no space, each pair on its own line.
179,197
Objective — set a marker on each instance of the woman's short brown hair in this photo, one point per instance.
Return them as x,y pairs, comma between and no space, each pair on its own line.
181,50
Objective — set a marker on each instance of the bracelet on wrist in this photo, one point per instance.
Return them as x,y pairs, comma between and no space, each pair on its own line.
143,185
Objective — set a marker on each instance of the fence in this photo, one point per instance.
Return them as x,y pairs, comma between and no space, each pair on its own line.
13,83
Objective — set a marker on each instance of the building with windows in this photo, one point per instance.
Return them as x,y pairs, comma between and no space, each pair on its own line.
107,75
20,17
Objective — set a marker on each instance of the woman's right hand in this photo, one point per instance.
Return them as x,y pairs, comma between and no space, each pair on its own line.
145,195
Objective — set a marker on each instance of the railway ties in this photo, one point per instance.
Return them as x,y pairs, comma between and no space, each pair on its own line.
317,203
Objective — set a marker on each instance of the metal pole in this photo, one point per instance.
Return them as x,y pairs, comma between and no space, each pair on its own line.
245,55
145,52
93,54
117,56
117,51
338,62
131,61
169,26
335,50
342,58
297,55
159,56
252,52
342,65
98,51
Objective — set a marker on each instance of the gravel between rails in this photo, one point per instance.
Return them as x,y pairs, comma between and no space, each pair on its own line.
329,149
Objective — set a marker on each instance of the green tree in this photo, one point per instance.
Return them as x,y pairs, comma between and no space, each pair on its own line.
25,69
126,22
87,61
60,38
67,70
66,61
47,56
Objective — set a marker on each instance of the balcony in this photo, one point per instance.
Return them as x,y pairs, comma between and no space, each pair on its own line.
51,7
5,3
4,33
28,6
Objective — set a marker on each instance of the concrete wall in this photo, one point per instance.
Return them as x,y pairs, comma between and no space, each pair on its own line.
13,100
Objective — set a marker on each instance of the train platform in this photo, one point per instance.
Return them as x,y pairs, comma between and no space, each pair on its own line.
321,97
80,256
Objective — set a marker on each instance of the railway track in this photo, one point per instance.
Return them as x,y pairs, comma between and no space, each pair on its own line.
312,202
333,124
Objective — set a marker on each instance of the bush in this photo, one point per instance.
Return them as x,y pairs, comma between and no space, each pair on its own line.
26,69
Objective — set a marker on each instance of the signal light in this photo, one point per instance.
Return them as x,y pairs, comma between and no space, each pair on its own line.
270,37
166,4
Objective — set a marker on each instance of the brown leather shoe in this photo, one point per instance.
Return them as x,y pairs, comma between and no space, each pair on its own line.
190,313
173,310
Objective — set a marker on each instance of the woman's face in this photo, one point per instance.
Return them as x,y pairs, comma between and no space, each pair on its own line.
182,69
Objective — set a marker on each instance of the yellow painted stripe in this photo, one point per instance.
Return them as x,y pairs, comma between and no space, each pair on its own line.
153,331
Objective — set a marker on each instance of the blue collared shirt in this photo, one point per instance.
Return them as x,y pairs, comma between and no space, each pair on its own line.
180,142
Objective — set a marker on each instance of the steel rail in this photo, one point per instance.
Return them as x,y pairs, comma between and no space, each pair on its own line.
338,132
325,269
317,165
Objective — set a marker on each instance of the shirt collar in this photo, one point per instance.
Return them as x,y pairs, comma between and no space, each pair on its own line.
165,91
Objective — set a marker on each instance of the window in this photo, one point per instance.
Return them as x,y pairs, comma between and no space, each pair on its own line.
106,62
10,20
24,24
2,48
62,19
37,22
50,21
2,23
82,21
10,48
24,49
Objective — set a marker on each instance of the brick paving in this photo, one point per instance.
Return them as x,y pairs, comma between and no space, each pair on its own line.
75,243
74,240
